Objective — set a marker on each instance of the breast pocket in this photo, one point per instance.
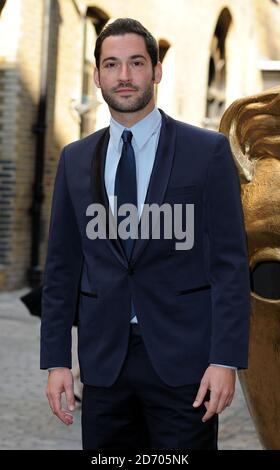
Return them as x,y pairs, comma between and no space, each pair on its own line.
190,189
178,194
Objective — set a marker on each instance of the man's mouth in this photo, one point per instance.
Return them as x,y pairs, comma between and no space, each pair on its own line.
125,90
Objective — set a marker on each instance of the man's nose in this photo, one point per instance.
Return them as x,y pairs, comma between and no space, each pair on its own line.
125,73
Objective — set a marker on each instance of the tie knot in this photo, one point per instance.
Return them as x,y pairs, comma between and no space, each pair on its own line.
126,136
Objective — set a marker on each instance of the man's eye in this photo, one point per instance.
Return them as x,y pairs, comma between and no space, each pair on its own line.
110,65
137,63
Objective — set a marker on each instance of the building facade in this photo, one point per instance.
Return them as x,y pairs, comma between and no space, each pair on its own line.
213,51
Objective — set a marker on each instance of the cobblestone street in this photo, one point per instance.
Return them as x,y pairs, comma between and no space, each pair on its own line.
26,421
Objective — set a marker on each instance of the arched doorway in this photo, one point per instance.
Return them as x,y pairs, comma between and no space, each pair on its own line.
2,4
94,22
164,95
216,93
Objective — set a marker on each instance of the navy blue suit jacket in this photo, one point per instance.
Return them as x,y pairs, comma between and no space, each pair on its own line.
192,306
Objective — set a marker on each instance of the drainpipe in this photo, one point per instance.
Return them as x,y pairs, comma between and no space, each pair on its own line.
39,129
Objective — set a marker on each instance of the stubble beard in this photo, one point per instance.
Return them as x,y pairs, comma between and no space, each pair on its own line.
137,105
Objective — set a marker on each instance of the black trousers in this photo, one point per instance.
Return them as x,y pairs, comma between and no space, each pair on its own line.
140,412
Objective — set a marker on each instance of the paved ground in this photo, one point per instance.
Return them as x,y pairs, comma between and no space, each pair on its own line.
26,421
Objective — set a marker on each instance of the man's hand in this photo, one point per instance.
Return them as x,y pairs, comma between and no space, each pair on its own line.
61,381
221,383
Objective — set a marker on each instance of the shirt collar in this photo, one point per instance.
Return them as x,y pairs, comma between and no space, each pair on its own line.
142,130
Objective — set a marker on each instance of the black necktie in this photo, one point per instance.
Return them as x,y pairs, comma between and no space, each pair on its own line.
126,184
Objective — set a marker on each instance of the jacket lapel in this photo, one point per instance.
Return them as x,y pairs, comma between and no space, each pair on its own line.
99,194
156,189
160,174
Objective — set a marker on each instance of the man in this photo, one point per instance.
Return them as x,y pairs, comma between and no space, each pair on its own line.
163,324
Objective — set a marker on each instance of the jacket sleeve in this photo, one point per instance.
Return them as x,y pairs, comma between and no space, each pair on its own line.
228,266
61,276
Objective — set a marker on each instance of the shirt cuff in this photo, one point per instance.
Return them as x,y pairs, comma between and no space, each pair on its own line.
222,365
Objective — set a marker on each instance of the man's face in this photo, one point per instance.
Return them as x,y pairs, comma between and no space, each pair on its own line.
126,75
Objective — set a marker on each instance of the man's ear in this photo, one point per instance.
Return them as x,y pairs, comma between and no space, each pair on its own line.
96,77
157,73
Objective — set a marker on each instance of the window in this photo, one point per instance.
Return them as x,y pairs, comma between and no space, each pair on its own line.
216,92
270,70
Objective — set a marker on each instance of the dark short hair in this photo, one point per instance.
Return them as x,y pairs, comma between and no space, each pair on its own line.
123,26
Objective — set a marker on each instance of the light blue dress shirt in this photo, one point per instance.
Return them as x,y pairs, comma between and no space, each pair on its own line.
144,141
